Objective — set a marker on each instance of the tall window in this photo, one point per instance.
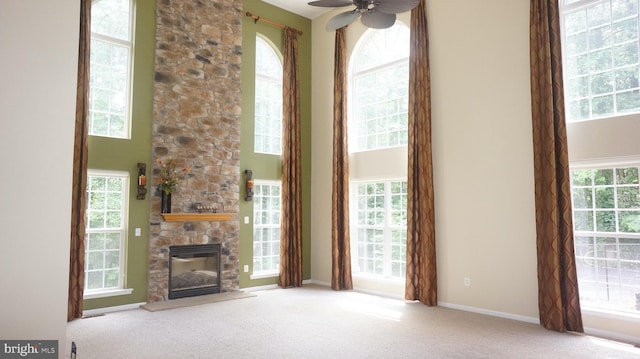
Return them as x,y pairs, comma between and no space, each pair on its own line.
601,58
379,77
606,213
266,227
601,77
110,68
380,97
105,230
381,228
268,97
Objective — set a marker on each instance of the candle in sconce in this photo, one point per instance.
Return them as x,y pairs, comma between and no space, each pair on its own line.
142,180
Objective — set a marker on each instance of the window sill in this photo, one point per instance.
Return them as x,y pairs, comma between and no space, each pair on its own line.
263,275
611,314
107,293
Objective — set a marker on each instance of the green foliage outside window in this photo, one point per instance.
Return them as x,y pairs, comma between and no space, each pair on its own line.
601,66
606,220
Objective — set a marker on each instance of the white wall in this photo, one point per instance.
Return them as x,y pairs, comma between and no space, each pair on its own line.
482,147
39,41
482,158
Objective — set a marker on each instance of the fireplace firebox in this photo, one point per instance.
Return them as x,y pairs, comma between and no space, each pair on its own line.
194,270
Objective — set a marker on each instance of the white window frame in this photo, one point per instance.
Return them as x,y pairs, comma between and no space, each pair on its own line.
387,228
268,122
128,45
120,289
257,225
596,165
355,98
587,154
581,5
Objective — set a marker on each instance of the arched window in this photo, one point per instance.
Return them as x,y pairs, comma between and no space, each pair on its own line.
379,106
380,95
268,99
110,68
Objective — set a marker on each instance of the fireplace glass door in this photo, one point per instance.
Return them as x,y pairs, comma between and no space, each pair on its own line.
194,270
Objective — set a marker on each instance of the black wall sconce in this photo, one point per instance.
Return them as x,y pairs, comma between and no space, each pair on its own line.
142,180
248,177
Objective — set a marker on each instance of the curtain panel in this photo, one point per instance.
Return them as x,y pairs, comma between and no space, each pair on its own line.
80,155
421,278
558,298
291,222
340,242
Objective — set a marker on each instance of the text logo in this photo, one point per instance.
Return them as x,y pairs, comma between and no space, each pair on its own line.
28,349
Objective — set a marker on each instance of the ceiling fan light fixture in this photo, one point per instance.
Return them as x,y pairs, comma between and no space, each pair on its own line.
377,14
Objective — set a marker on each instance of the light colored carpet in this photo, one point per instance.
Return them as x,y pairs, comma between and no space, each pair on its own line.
316,322
191,301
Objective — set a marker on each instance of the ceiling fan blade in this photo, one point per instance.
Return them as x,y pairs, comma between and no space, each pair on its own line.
378,20
342,20
331,3
396,6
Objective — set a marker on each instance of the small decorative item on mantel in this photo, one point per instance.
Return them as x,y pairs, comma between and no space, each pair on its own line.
168,181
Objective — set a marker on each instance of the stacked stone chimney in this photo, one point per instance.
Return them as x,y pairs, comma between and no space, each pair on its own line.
196,122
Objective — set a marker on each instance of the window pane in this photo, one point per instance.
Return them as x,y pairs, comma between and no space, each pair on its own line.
583,220
111,18
380,237
110,56
582,198
601,59
94,280
380,89
628,197
629,221
105,231
608,263
266,229
268,99
604,197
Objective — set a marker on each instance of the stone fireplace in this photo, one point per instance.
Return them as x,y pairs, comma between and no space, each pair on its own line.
196,122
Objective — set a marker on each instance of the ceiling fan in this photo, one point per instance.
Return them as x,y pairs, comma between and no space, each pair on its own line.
377,14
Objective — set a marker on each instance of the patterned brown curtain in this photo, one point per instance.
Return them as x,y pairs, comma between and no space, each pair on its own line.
291,222
558,298
421,280
78,199
340,243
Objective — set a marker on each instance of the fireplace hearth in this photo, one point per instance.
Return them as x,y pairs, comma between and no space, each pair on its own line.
194,270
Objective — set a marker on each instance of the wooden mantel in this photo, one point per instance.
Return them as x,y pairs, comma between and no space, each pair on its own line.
185,217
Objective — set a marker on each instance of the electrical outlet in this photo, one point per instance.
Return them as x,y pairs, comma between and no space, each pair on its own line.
246,268
138,232
246,219
467,281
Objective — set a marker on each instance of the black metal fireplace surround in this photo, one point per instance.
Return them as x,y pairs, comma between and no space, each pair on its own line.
194,270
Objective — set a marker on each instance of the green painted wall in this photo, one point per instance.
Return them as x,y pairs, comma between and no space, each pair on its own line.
123,155
268,167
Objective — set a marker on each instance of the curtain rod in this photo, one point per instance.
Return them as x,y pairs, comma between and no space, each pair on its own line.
258,18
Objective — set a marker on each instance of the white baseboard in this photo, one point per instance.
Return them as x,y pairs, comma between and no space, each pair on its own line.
270,286
493,313
604,334
100,311
317,282
260,287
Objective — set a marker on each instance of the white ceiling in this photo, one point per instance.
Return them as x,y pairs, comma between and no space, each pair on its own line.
299,7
